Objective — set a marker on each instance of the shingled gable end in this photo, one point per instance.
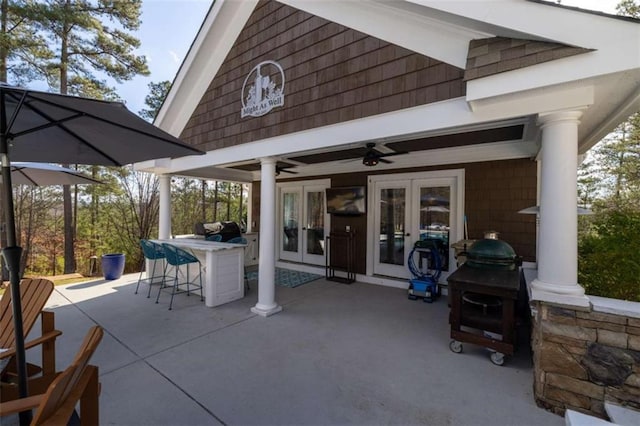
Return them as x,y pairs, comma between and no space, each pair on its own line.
333,74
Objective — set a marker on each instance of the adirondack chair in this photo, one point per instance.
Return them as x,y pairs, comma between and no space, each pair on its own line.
35,293
78,383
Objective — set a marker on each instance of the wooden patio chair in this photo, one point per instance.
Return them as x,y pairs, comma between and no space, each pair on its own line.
78,383
35,293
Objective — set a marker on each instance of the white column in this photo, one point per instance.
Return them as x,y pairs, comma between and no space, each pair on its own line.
557,280
267,259
164,225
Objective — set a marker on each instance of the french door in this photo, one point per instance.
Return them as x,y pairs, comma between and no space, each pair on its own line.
303,221
411,207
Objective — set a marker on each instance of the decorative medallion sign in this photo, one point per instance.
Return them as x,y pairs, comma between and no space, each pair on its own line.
263,89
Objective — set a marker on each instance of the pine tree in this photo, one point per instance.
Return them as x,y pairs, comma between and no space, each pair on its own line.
86,46
154,100
23,51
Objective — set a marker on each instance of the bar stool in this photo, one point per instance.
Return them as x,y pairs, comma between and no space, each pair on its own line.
151,251
177,257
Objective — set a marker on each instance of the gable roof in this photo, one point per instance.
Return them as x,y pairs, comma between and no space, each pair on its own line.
595,49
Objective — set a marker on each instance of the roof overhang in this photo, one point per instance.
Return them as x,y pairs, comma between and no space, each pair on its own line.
604,83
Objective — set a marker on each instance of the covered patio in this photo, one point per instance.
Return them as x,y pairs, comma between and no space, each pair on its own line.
325,359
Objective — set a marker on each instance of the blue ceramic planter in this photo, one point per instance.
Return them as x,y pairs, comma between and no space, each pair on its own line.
112,265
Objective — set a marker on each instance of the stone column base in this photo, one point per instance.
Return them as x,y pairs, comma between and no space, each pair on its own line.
583,358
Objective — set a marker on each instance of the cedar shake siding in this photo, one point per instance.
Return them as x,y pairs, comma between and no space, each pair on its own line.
332,74
494,192
494,55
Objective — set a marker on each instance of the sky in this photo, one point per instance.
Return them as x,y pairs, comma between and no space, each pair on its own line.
169,27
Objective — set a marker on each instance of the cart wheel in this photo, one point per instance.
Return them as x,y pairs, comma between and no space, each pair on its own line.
412,297
455,346
497,358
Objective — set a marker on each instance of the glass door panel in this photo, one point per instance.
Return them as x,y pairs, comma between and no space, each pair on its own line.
314,226
315,223
391,228
290,220
392,224
303,221
435,219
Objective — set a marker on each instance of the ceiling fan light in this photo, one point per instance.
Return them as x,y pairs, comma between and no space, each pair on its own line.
370,161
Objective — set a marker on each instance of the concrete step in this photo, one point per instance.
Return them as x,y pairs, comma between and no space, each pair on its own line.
618,415
574,418
623,416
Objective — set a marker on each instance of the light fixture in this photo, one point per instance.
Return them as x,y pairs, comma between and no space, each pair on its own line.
370,160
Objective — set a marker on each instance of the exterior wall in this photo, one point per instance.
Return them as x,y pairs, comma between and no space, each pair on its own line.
494,55
583,358
494,193
332,73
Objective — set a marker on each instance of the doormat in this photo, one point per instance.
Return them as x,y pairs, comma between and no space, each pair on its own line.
287,277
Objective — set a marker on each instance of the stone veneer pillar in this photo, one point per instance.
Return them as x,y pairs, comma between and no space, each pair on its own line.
164,225
583,358
267,259
557,279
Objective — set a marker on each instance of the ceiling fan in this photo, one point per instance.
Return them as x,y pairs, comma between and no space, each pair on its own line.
280,169
372,157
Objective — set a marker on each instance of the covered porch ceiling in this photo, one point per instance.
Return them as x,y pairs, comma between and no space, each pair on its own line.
505,139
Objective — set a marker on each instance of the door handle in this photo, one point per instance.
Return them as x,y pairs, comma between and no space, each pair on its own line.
407,234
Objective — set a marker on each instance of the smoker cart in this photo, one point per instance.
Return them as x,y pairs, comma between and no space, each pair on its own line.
483,305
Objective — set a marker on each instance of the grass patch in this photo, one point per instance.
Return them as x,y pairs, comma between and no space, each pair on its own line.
60,280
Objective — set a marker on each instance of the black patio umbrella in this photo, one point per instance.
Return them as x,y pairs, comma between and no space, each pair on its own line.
52,128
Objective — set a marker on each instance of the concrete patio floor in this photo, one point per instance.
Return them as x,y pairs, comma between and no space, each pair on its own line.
337,354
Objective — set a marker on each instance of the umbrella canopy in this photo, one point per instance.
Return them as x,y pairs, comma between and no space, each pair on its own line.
40,174
52,128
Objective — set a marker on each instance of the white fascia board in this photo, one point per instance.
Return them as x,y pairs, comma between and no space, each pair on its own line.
419,33
221,28
546,99
421,120
544,22
570,69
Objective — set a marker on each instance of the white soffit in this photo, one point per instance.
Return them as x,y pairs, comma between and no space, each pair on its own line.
420,33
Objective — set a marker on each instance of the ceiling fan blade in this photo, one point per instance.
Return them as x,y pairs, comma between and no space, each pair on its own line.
390,154
383,160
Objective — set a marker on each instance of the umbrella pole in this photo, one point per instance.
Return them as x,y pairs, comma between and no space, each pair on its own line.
12,255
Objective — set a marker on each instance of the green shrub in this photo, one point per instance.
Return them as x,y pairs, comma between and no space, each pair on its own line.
609,256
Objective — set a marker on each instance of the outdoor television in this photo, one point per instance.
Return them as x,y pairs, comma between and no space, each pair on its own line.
346,201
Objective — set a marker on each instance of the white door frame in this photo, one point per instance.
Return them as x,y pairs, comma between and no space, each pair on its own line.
455,178
302,188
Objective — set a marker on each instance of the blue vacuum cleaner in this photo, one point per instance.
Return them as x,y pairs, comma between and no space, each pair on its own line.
426,272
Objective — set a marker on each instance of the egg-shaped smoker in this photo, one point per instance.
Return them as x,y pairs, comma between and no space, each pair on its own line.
492,253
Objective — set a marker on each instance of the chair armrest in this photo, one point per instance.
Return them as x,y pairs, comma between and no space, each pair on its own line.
20,405
52,335
45,338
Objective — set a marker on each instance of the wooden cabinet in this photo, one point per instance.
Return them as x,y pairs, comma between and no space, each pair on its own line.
483,309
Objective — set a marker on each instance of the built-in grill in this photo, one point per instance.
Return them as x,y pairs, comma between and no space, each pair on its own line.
483,296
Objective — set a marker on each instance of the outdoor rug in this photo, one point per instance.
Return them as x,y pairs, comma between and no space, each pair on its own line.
287,277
